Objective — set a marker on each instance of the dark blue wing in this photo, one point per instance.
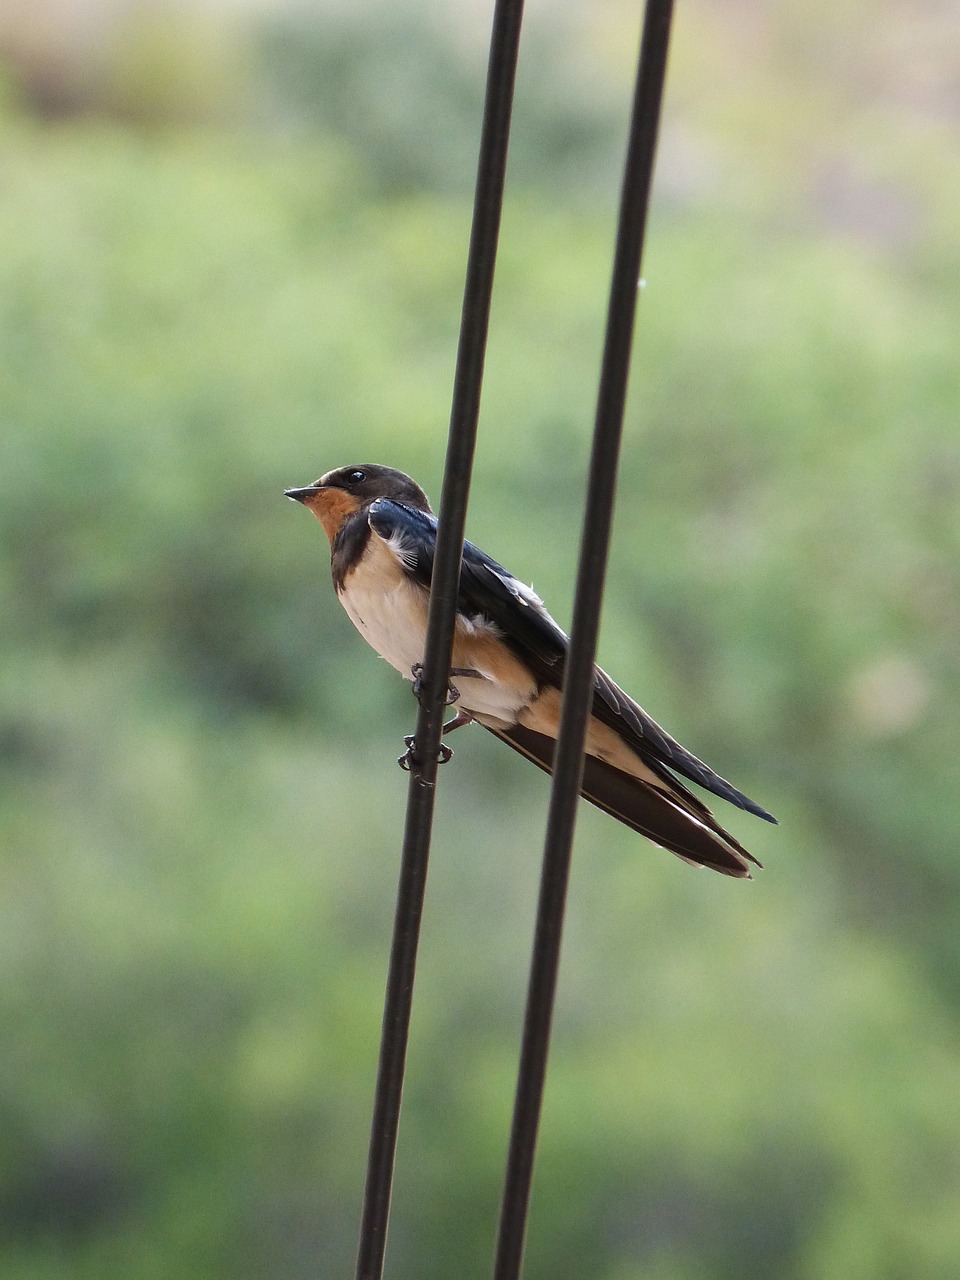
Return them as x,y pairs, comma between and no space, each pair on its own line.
487,588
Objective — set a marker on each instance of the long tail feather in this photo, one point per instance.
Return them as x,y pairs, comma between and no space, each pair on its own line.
696,837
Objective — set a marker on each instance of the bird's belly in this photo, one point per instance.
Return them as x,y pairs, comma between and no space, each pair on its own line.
488,700
387,607
504,686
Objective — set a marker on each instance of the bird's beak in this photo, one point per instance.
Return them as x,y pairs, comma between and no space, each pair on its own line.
303,495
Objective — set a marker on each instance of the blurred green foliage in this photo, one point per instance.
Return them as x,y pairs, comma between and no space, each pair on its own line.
200,815
406,91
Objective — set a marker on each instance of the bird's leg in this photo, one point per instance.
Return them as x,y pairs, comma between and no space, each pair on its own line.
453,693
458,721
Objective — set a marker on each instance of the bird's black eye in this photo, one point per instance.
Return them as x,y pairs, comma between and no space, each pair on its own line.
355,477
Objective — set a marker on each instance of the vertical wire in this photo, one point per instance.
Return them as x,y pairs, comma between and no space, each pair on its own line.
478,288
579,677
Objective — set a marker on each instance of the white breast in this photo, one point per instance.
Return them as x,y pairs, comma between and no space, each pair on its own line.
386,607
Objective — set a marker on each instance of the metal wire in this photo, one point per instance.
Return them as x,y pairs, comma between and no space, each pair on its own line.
478,287
578,683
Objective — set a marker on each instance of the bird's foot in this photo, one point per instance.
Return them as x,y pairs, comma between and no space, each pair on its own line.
408,761
453,693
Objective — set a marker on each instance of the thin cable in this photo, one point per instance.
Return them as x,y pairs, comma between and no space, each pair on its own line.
478,288
578,682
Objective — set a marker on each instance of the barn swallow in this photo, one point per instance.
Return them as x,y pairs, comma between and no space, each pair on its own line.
508,661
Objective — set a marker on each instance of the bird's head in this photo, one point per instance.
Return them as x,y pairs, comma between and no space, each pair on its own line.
341,493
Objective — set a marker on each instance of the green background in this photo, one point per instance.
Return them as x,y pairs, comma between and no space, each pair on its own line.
232,246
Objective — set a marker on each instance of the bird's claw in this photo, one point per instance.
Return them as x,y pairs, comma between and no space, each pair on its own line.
453,693
409,760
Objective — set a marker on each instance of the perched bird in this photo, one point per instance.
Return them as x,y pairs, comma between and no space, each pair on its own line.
508,661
